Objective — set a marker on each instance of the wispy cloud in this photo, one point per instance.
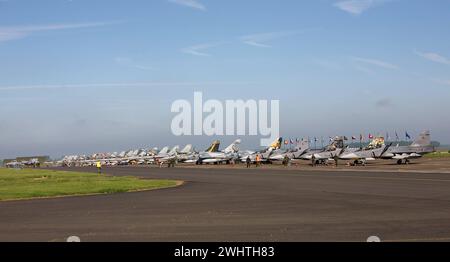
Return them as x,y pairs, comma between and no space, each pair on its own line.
8,33
375,62
434,57
190,3
199,50
129,62
260,40
357,7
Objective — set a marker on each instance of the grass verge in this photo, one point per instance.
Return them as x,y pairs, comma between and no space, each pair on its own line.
438,154
35,183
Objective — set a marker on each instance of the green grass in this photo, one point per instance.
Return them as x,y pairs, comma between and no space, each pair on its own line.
34,183
438,154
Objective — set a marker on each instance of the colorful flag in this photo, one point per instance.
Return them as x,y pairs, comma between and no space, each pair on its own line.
407,135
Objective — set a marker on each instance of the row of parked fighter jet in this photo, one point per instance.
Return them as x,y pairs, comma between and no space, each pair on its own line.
377,149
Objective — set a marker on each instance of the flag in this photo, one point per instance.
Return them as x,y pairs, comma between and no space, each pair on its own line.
370,136
407,135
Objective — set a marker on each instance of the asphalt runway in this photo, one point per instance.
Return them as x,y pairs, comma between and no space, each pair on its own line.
244,205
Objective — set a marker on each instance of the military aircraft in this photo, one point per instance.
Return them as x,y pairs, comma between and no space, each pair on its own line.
194,156
14,164
187,153
335,148
300,149
225,156
164,154
421,146
264,154
375,149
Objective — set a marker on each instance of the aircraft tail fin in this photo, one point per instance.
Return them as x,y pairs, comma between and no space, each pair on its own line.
214,147
165,150
187,149
233,148
424,139
337,142
276,144
174,150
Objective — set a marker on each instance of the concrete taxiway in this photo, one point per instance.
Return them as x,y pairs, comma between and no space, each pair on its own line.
257,204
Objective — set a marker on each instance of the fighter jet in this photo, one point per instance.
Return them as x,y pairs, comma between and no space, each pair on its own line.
14,164
164,154
421,146
264,154
375,149
336,148
217,157
187,153
296,153
194,157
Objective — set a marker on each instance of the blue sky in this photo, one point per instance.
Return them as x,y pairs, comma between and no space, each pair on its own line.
97,75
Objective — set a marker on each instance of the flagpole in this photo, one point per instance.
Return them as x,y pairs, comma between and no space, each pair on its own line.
360,141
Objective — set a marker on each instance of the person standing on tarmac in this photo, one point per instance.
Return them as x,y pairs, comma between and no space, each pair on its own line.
336,158
248,161
99,167
286,160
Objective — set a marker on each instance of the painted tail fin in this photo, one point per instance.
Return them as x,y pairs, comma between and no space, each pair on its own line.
276,144
214,147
